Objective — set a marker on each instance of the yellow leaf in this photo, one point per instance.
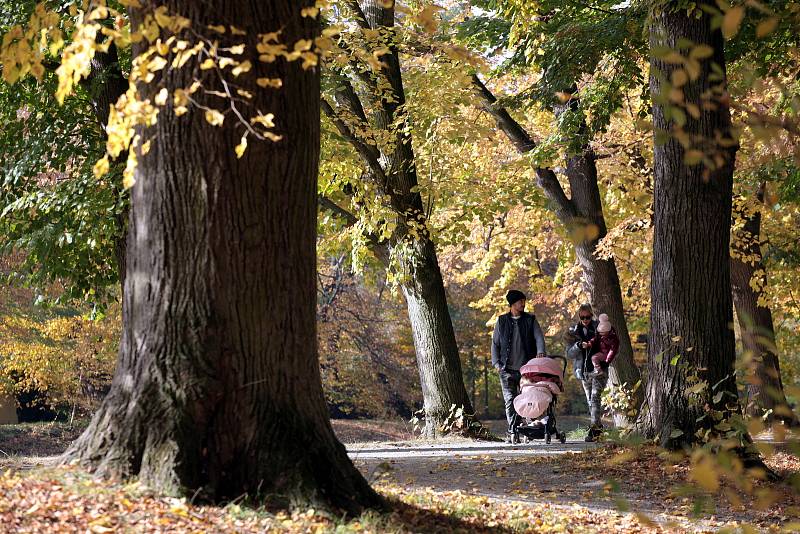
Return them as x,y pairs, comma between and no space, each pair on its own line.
245,66
731,21
693,157
766,27
207,64
701,51
127,175
705,474
275,83
162,19
427,18
161,97
303,45
214,117
101,167
218,29
241,147
226,61
673,57
265,120
679,77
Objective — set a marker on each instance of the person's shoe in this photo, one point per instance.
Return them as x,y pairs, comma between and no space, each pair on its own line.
593,434
509,437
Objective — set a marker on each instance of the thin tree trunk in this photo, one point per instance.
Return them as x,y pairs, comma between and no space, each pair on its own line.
435,344
690,339
583,210
764,385
217,391
392,168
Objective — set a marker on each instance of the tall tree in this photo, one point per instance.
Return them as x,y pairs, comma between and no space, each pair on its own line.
691,387
384,144
581,213
748,279
217,387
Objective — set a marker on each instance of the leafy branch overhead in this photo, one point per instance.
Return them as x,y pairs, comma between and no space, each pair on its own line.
223,87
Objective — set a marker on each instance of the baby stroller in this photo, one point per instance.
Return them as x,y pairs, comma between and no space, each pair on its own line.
541,384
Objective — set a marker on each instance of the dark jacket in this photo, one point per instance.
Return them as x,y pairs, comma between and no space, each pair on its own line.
579,355
607,346
575,333
530,332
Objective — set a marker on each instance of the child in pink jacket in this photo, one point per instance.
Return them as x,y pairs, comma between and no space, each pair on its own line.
604,345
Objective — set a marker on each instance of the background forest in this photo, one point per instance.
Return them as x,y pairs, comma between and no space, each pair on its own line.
572,77
243,243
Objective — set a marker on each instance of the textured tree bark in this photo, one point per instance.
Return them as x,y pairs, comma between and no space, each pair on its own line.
582,209
217,390
691,314
435,344
393,170
764,386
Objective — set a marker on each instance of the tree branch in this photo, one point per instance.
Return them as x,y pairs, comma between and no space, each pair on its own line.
546,179
379,248
361,18
369,154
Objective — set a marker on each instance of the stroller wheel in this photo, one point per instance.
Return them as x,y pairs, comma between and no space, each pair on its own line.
563,437
515,438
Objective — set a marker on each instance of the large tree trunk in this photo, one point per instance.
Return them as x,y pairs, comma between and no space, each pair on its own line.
691,311
764,385
581,213
217,391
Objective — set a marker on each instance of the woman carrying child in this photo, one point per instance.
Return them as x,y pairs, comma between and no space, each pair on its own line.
603,347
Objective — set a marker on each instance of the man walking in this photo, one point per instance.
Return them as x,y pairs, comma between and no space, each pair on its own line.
517,338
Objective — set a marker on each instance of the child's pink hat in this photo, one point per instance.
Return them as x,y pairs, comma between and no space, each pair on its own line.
604,325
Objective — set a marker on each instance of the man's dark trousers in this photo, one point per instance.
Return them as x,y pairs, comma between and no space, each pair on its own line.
509,382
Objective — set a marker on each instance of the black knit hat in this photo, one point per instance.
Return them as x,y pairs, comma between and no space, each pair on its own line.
514,295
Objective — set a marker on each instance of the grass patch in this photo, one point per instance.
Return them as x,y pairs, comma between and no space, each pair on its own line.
577,434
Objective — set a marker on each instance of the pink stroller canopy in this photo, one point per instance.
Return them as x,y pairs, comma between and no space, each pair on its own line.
550,366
